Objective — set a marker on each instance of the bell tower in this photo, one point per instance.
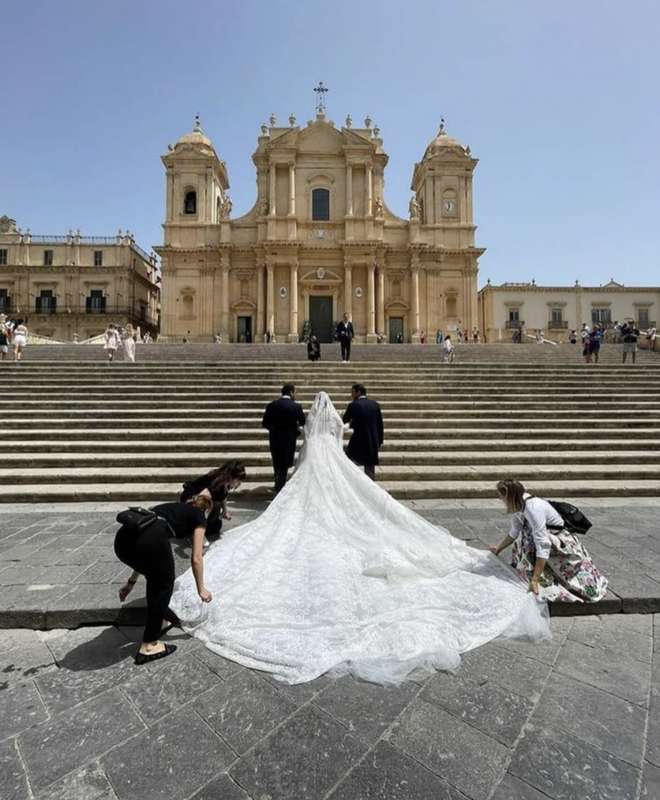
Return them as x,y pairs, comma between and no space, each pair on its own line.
442,183
196,188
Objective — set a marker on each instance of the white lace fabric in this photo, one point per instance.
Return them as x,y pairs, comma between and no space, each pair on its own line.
337,575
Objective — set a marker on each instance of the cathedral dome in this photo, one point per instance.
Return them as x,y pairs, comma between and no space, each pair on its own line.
196,137
444,142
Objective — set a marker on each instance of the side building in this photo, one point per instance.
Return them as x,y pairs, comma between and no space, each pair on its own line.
319,240
558,310
73,286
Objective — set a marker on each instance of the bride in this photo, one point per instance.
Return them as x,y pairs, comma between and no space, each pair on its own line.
337,575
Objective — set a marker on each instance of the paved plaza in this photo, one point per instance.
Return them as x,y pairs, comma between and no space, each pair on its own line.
577,718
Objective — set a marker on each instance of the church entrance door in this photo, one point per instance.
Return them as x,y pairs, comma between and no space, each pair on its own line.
396,330
244,329
320,317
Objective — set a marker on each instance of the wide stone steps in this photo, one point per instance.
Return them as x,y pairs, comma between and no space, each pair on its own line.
142,492
135,432
206,460
247,353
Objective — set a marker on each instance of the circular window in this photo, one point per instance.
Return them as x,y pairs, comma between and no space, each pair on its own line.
358,292
283,291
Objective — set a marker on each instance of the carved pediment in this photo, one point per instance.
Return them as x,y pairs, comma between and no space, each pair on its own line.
321,274
321,137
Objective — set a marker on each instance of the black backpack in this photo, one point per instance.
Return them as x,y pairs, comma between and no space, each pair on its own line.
136,519
574,519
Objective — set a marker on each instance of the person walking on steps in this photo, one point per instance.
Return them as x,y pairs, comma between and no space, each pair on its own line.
284,419
148,552
345,334
365,418
111,341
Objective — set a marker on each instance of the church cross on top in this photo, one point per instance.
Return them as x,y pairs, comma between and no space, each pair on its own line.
320,91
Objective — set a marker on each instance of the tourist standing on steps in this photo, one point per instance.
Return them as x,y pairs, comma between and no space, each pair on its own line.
314,349
149,553
129,343
111,341
365,418
552,561
284,419
594,339
630,334
448,350
217,484
19,339
651,336
4,340
345,334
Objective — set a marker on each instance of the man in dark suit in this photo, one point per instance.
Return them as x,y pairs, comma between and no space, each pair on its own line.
345,334
365,417
283,418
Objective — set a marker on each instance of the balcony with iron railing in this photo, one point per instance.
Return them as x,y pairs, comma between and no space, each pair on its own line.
513,324
136,313
557,324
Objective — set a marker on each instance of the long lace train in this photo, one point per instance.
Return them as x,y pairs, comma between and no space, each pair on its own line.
337,575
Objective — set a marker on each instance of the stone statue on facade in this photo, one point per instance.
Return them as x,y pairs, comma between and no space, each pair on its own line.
7,224
225,207
263,207
413,208
379,208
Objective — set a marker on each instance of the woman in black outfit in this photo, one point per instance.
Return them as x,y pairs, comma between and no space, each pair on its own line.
217,484
149,553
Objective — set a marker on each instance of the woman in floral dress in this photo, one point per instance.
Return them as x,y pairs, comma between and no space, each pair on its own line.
552,561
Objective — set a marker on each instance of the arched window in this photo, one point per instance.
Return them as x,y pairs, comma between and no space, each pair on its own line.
320,204
190,203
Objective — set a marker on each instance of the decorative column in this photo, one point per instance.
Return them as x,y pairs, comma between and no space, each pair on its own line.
349,190
380,321
225,299
272,190
293,303
415,303
270,298
371,303
292,189
260,302
369,203
348,288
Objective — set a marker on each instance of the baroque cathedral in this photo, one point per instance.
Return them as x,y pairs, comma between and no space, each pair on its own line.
319,241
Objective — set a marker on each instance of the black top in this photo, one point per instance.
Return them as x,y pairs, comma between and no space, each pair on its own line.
197,485
283,418
183,518
630,334
345,330
365,417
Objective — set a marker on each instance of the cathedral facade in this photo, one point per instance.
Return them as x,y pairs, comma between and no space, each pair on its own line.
319,241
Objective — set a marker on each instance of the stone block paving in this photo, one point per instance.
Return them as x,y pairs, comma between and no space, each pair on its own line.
577,718
58,568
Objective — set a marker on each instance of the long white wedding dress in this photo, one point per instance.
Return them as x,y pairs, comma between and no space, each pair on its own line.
337,575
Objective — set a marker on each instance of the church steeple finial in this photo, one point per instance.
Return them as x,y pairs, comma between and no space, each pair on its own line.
320,90
441,130
198,124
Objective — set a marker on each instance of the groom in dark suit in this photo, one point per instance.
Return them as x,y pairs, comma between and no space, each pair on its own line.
345,334
283,418
365,417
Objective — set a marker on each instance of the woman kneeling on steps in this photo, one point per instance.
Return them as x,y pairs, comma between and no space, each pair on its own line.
552,561
149,553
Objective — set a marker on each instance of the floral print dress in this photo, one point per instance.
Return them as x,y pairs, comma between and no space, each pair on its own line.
569,576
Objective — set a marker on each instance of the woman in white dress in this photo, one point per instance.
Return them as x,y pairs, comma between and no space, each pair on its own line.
337,575
129,343
111,341
19,339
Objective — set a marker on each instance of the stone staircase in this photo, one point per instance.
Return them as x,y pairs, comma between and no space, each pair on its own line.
74,431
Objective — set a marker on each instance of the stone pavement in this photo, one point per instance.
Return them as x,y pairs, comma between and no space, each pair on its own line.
577,718
58,568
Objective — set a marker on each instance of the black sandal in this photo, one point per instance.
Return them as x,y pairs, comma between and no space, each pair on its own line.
142,658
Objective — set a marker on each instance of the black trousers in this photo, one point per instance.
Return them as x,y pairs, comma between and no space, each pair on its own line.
345,344
280,478
150,554
370,471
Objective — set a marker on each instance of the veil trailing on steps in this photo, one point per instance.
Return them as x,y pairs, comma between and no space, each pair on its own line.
337,575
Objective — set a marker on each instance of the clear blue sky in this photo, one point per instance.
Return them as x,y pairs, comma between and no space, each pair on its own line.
558,100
